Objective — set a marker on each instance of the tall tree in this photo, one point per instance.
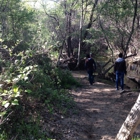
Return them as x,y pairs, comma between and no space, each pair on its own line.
16,20
118,23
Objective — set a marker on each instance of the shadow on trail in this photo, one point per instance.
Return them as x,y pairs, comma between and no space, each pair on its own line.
101,111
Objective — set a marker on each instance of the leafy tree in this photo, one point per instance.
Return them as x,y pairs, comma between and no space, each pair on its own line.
117,21
28,75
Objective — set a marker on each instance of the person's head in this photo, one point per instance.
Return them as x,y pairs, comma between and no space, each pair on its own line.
87,56
120,55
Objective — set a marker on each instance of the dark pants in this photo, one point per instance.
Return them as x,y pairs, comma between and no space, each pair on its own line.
90,76
119,78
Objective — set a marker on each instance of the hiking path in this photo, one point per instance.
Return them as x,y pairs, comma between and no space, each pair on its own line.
100,111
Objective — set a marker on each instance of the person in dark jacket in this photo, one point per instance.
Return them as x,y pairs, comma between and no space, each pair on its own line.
120,70
90,67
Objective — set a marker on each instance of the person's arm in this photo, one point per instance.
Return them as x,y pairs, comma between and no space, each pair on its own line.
94,64
115,67
86,63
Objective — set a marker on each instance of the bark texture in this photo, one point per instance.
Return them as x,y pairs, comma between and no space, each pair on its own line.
131,122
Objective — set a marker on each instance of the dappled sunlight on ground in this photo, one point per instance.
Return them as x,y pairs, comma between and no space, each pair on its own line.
101,109
94,110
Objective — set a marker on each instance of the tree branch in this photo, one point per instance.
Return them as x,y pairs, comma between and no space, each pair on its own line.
133,25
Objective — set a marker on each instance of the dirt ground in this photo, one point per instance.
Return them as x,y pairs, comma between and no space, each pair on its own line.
100,112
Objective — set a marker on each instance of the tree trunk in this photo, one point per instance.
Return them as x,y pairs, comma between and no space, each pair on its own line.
131,123
80,35
90,22
70,51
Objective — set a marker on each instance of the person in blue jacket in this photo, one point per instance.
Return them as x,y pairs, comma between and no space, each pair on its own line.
120,70
90,67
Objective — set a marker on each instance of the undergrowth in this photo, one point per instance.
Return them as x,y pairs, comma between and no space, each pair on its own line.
30,86
136,138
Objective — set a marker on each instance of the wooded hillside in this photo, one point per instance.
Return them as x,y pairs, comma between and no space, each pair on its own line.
41,41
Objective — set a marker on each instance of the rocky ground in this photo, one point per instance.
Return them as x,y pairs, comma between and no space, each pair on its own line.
100,111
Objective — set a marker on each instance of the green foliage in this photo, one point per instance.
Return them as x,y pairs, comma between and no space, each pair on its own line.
17,18
31,79
29,82
23,130
136,138
118,10
65,78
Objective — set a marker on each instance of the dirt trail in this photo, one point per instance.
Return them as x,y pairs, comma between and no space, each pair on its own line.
101,111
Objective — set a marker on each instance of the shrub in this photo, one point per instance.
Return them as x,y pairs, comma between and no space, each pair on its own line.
30,84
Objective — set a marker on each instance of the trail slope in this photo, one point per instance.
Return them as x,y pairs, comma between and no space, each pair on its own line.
100,111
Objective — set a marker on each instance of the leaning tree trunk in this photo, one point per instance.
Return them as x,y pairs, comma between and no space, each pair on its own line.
131,123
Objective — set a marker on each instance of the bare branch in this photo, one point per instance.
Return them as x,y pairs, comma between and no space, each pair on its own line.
109,45
133,25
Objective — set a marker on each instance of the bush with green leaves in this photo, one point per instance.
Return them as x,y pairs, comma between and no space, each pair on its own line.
136,137
65,78
29,83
